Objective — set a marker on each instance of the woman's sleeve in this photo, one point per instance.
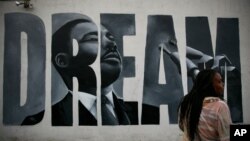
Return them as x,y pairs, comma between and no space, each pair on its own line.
224,121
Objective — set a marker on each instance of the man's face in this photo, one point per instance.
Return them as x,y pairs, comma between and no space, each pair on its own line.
87,36
111,63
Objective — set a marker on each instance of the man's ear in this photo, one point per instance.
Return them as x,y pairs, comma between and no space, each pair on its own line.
62,60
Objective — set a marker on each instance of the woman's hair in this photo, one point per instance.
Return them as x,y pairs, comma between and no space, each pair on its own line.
191,105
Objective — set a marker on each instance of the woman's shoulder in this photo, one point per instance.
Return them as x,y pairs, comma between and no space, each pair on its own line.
219,108
222,104
216,102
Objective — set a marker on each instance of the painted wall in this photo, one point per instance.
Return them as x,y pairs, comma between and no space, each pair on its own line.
161,43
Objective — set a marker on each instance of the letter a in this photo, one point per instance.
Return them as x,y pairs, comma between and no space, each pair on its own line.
237,132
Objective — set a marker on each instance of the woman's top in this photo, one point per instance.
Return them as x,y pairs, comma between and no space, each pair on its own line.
214,122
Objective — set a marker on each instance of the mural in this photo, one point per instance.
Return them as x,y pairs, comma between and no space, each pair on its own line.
15,24
84,31
160,30
75,47
226,58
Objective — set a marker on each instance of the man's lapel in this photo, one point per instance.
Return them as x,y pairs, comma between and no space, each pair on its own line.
85,117
120,110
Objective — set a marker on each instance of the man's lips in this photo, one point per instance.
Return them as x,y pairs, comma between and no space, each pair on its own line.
111,56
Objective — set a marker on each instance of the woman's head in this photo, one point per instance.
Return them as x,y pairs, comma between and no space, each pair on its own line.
208,83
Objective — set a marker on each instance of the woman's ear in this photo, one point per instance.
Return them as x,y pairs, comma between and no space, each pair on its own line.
62,60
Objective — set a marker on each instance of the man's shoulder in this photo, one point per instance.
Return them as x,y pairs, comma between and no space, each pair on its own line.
37,117
33,119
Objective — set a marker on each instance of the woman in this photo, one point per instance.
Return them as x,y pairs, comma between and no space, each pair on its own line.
202,114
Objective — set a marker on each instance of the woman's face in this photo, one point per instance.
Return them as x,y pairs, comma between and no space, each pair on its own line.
218,84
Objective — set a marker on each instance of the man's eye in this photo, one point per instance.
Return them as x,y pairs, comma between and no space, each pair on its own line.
90,38
173,42
110,36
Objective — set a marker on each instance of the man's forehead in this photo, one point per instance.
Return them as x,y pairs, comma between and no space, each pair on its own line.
61,19
104,29
85,27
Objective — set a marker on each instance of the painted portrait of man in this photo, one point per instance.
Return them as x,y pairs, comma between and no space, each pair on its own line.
82,29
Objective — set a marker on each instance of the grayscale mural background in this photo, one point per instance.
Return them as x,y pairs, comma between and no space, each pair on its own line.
56,48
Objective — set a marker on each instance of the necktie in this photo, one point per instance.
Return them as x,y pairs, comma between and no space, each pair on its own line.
107,116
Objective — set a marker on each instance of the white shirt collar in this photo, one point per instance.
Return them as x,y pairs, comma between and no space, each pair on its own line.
110,97
88,100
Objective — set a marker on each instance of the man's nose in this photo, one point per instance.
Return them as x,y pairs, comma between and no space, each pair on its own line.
111,45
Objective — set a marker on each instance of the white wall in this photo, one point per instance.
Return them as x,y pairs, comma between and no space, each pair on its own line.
179,9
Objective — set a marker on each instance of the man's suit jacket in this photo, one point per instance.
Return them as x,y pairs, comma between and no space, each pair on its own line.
62,114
